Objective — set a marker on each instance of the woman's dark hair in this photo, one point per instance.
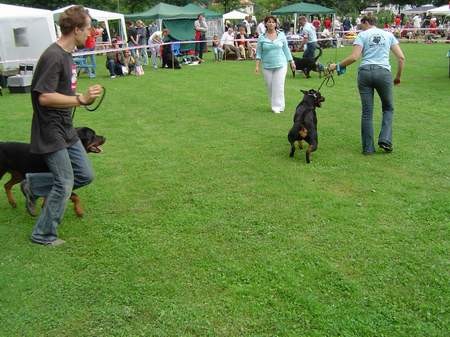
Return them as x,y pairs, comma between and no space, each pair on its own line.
268,17
371,20
73,17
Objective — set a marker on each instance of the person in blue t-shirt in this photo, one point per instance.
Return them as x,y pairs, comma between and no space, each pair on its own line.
374,45
273,52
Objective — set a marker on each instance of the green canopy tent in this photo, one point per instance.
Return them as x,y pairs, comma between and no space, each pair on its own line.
179,20
209,14
302,8
165,11
181,30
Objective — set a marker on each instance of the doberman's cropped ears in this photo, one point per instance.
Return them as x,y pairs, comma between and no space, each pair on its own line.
304,92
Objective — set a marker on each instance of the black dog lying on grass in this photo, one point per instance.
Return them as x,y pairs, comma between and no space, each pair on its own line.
305,123
16,159
309,64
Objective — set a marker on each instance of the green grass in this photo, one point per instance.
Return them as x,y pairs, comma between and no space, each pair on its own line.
199,224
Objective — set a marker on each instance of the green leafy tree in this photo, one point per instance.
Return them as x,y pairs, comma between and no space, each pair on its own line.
228,5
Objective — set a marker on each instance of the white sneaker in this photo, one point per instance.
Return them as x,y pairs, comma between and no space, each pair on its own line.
276,110
113,76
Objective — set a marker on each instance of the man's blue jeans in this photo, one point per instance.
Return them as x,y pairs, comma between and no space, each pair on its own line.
370,78
70,169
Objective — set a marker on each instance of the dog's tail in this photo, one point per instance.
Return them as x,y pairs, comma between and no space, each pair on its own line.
319,55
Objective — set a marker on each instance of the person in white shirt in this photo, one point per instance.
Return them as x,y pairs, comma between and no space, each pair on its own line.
200,36
309,37
261,28
417,22
227,43
154,42
248,25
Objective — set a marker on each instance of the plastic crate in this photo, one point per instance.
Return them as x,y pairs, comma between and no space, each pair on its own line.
19,84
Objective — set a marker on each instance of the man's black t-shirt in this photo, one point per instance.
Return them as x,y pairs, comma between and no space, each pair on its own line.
52,128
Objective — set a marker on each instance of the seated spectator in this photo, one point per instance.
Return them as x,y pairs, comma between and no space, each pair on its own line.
327,23
244,46
112,60
407,30
155,42
218,52
127,62
227,43
326,41
433,26
316,23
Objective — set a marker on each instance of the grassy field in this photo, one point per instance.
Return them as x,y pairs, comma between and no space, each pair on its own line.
199,224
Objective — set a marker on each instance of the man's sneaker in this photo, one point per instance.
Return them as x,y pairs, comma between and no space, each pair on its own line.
386,147
113,76
30,203
57,242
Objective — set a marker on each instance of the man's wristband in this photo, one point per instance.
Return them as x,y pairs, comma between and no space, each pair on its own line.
79,100
340,70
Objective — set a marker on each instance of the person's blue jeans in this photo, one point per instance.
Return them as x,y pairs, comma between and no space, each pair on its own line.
69,169
310,50
113,67
93,63
371,78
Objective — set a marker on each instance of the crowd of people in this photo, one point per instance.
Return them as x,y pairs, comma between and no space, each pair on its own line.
239,40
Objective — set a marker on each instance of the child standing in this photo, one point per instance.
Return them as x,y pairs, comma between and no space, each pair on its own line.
218,52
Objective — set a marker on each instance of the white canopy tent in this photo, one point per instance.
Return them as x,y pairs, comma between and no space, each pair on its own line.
24,34
418,10
443,10
234,15
101,16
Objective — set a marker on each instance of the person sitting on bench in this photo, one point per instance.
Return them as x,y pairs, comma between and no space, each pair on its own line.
227,43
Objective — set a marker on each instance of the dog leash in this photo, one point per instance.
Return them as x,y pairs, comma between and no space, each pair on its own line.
88,107
328,79
328,75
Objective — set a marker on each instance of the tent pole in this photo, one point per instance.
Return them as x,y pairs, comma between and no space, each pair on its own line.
333,17
108,31
295,23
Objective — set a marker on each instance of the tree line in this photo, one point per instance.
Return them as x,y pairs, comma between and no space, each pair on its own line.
262,7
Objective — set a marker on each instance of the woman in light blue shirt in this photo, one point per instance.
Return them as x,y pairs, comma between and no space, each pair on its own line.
273,52
374,46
